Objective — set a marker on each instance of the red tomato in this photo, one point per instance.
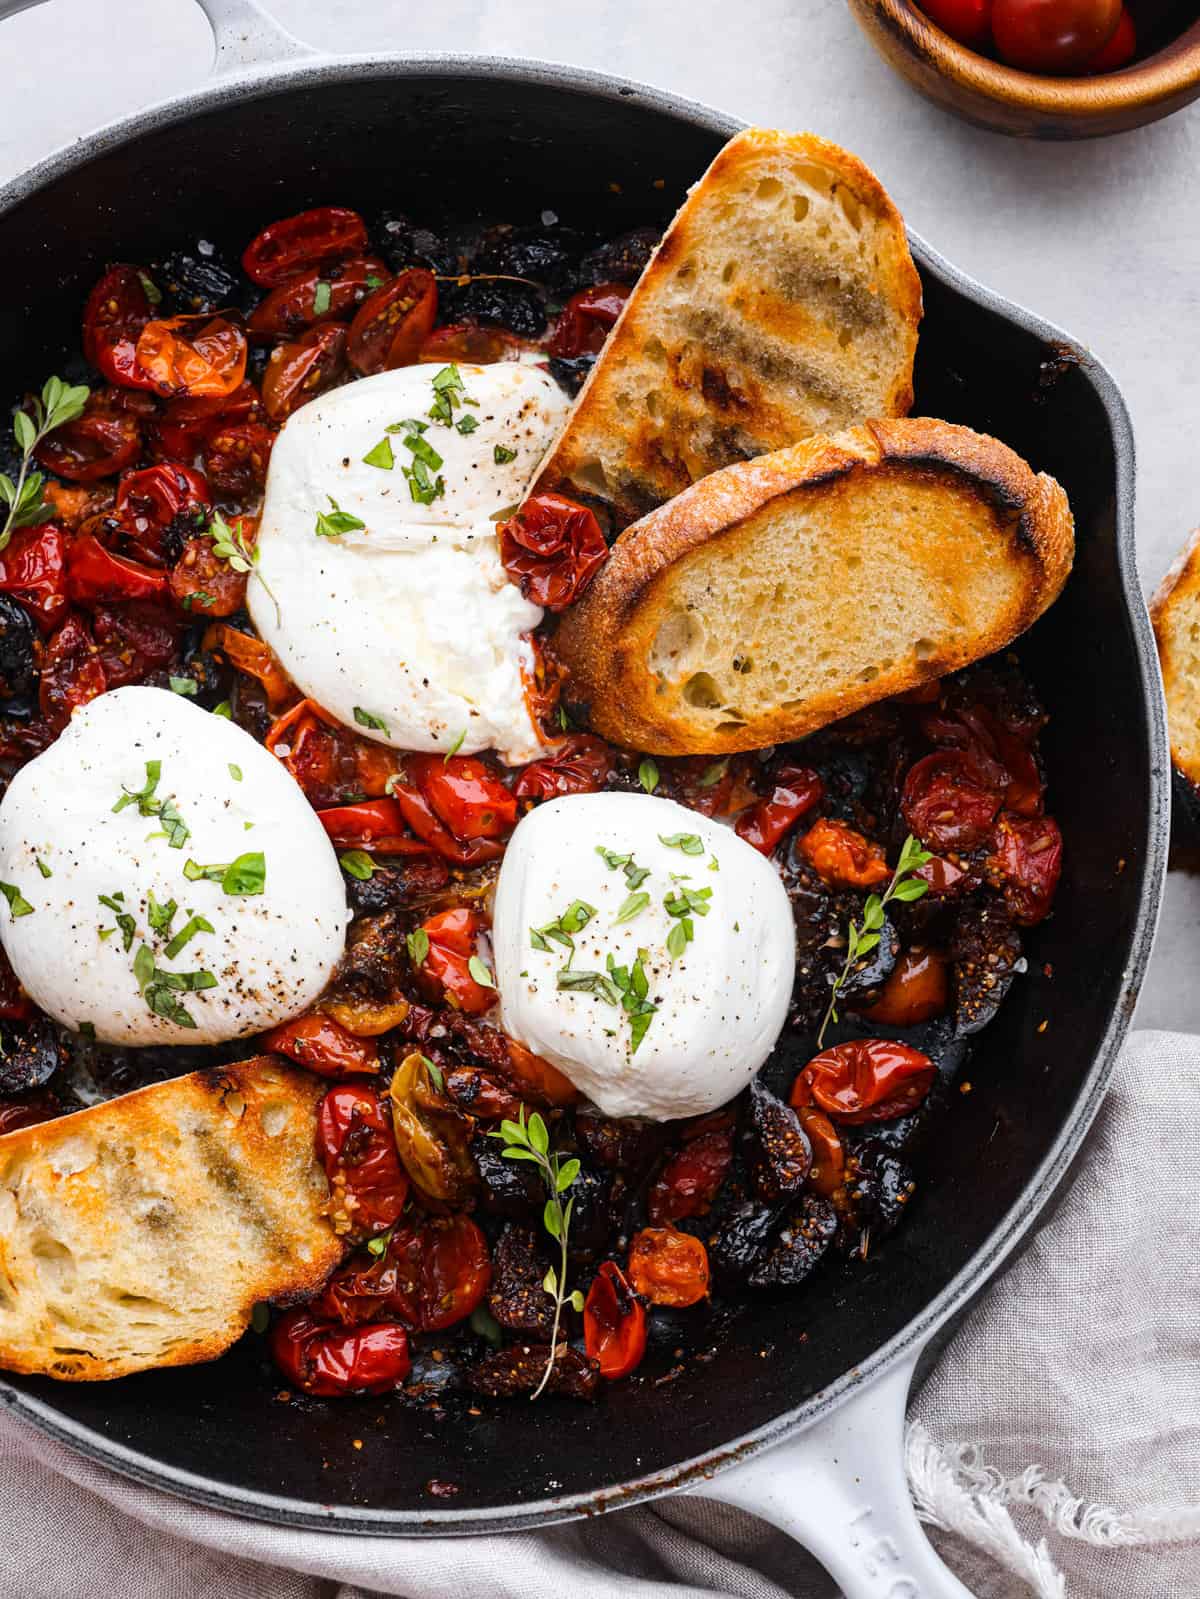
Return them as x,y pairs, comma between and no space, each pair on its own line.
100,443
15,1003
828,1170
326,233
968,21
293,306
1026,860
432,1275
153,500
580,764
843,857
945,879
1054,36
668,1267
323,1045
252,656
614,1323
1004,758
33,569
325,1359
538,1079
377,825
132,641
917,990
471,344
328,761
236,458
71,673
392,324
356,1146
688,1183
865,1080
117,310
795,789
94,573
201,356
453,936
552,549
434,835
1120,49
584,321
28,1111
186,423
298,371
946,802
465,795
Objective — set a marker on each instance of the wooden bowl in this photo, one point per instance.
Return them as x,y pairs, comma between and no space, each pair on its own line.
1022,103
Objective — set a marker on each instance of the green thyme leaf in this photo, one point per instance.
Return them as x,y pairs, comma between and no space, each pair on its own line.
479,971
418,946
333,523
648,775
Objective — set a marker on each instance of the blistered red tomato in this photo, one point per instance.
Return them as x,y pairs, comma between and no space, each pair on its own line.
947,803
328,232
324,1358
585,320
298,371
552,549
117,310
794,790
159,498
465,794
236,458
453,944
356,1146
102,442
95,573
668,1267
433,833
376,825
252,656
917,990
186,423
538,1079
28,1111
1026,861
323,1046
322,294
33,569
132,640
865,1080
841,856
469,343
688,1182
1053,35
580,764
614,1323
71,673
968,21
432,1275
201,356
392,324
1120,49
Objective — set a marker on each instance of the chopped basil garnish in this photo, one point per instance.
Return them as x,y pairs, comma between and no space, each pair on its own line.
235,772
634,905
175,829
151,289
689,843
713,774
160,988
448,395
648,775
322,297
159,916
335,521
369,719
502,455
373,282
358,863
193,925
467,424
563,929
43,868
245,876
634,988
127,924
456,746
17,903
183,685
381,455
225,709
418,946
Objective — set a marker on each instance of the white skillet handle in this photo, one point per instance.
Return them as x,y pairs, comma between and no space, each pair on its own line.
840,1489
247,36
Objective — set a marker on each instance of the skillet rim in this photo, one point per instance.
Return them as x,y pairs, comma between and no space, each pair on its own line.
261,82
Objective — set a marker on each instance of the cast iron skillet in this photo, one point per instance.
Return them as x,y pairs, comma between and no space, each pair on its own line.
507,139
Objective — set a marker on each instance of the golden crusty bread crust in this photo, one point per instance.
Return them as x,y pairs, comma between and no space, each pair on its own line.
781,302
783,593
1175,613
141,1232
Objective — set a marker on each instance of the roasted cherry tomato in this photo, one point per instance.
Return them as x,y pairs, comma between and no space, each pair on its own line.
828,1170
688,1183
614,1323
368,1185
668,1267
794,790
843,857
917,990
326,233
15,1003
945,879
323,1045
865,1080
539,1079
712,787
299,370
1026,860
453,938
464,794
968,21
469,343
33,569
70,507
392,324
376,825
947,803
28,1111
1053,35
585,320
94,574
318,295
236,458
442,1272
204,584
481,1095
552,549
102,442
133,640
321,1357
185,425
159,501
71,673
580,764
252,656
435,835
117,310
1002,757
329,762
1120,49
201,356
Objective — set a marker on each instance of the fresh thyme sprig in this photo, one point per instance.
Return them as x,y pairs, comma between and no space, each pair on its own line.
59,403
862,940
529,1140
229,544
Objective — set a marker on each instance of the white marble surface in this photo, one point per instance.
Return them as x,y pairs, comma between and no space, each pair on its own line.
1102,238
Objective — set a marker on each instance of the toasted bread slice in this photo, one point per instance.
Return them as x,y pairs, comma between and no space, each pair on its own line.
780,594
141,1232
1175,612
781,302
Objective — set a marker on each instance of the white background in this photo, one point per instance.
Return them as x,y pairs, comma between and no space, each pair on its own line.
1101,237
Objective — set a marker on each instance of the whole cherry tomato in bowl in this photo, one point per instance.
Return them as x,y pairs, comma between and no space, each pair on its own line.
968,21
1055,36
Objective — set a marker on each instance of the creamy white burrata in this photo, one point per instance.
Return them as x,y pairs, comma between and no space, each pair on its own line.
406,628
597,917
179,886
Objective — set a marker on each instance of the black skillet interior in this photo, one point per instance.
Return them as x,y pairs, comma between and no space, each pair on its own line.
465,146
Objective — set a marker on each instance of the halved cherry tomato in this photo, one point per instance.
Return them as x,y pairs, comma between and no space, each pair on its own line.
323,1045
102,442
201,356
538,1079
453,938
794,790
117,310
94,573
323,1358
71,673
33,569
392,324
865,1080
579,764
947,803
186,423
299,370
1026,860
469,343
434,835
327,760
968,21
841,856
1053,35
324,233
465,795
585,320
945,879
256,659
712,787
133,640
668,1267
614,1323
688,1183
917,990
1003,758
828,1170
206,585
71,507
355,1145
481,1095
291,307
376,825
158,499
1120,49
236,458
552,549
442,1272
